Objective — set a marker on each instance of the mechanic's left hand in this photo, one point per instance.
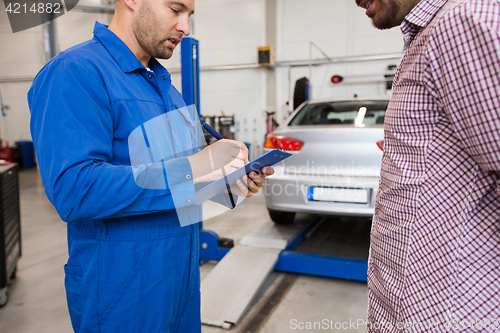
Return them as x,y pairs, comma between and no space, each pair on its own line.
250,184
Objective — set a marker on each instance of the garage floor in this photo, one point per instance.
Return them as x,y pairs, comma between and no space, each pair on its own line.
287,302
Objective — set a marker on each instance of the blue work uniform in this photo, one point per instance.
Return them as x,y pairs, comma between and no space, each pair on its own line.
131,266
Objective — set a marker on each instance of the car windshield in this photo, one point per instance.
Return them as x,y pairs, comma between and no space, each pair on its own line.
341,112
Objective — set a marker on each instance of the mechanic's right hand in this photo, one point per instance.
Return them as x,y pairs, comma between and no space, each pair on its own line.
217,160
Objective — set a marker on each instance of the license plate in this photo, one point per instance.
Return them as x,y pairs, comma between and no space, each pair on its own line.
338,194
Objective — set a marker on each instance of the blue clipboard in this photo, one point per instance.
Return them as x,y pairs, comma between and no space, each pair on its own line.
220,185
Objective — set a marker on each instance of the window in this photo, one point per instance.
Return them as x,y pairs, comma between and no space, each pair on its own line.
341,113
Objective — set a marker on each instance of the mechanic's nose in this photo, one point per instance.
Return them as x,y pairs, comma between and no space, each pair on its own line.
184,26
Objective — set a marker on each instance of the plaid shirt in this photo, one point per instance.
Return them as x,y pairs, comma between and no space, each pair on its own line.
435,241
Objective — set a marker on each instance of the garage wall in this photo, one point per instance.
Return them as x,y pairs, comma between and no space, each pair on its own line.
229,32
76,27
21,56
341,30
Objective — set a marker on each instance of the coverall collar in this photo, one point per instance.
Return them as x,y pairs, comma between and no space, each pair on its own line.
123,56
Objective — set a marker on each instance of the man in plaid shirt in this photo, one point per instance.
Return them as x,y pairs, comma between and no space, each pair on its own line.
435,241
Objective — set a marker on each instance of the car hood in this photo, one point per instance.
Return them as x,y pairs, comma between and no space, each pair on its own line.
343,150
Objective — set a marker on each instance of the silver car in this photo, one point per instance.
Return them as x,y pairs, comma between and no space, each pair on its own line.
337,151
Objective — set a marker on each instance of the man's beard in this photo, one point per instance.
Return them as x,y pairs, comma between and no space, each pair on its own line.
146,32
388,12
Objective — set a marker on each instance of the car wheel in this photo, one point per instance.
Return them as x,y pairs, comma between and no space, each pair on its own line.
282,218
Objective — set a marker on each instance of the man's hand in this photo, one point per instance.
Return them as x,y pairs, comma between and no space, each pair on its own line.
249,185
222,158
218,160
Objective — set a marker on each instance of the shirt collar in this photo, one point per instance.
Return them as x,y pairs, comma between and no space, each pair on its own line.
123,56
156,67
420,16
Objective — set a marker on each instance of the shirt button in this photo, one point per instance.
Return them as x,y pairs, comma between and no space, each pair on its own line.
188,177
149,76
164,77
189,202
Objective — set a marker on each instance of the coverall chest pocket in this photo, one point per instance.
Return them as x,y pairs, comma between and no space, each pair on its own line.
168,136
175,133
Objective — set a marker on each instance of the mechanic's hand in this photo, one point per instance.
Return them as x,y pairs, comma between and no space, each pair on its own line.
218,160
250,184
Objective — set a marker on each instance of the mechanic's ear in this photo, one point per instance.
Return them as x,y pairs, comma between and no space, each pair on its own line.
132,4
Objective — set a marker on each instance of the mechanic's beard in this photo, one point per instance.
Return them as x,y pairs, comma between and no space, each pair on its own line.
387,15
146,32
160,51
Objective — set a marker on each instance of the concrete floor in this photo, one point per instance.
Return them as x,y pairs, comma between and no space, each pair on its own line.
37,301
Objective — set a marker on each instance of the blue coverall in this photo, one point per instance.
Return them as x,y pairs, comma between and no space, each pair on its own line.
131,267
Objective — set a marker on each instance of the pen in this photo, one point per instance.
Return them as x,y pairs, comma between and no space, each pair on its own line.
216,135
212,131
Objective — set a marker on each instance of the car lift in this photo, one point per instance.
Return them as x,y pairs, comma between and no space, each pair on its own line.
213,248
231,286
241,270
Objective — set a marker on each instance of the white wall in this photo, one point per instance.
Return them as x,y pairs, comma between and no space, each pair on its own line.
76,27
21,55
229,32
340,29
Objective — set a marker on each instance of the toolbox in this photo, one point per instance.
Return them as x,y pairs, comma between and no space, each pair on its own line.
10,227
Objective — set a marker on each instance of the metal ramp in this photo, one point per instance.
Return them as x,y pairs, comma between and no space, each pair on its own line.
232,285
